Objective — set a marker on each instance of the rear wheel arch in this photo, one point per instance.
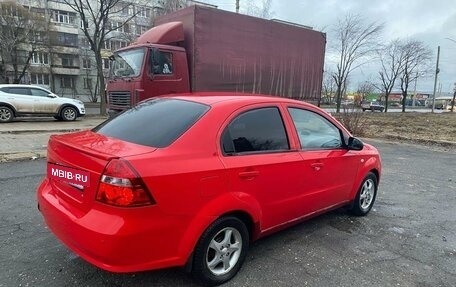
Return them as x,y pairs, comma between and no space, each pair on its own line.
376,173
246,210
2,104
7,113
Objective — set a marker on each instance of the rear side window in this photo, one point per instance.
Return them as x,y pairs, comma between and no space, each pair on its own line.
255,131
19,91
156,123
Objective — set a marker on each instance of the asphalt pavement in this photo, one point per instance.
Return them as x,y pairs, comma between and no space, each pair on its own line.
408,239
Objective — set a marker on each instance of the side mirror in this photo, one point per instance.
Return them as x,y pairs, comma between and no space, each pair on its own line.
355,144
52,96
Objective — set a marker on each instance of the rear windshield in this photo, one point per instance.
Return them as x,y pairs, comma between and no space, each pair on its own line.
155,123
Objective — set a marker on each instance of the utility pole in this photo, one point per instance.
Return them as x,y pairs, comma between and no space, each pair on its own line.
237,6
436,76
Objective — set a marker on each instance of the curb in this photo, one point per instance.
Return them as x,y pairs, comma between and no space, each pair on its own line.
22,156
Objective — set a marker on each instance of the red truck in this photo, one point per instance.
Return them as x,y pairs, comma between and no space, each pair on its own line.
205,49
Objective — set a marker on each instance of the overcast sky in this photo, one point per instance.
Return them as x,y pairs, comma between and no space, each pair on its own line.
430,21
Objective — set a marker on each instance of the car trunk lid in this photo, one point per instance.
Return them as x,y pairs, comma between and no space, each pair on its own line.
76,162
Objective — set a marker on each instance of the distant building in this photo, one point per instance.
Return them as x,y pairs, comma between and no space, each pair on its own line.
66,64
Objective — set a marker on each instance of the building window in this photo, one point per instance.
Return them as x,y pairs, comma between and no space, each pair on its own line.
140,29
117,44
40,58
106,45
83,25
63,17
66,82
143,12
120,27
67,61
37,37
66,39
86,64
87,83
39,79
106,63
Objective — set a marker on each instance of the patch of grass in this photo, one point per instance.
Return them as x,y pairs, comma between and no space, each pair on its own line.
412,125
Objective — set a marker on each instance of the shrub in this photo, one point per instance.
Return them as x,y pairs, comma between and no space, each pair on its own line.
354,120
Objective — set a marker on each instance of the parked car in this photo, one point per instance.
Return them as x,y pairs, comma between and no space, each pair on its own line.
25,100
372,106
190,180
395,104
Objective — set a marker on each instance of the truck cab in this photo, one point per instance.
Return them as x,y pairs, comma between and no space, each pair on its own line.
148,68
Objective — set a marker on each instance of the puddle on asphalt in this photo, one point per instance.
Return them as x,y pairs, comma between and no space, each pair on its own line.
348,225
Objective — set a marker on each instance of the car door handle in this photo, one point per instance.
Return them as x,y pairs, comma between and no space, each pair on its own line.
317,166
249,174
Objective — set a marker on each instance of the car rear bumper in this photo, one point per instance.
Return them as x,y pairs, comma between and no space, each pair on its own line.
129,240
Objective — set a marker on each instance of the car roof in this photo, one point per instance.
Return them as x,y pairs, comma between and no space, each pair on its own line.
216,98
21,86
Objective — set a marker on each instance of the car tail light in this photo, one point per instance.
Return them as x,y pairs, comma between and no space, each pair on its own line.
120,185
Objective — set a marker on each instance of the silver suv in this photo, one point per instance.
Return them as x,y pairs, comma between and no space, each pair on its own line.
23,100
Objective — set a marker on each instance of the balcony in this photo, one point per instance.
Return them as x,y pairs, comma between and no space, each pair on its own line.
60,70
65,50
64,28
59,5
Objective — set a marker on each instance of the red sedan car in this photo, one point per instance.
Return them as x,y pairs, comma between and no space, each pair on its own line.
190,180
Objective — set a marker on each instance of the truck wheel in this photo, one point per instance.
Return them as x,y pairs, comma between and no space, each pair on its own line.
366,195
68,114
6,114
220,251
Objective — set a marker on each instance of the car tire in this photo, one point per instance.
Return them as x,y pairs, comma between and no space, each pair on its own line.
69,114
6,114
220,251
59,118
366,195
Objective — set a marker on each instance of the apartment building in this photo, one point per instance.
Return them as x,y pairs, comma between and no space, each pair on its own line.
64,62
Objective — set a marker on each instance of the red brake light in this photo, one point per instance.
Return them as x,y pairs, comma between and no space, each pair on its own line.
120,185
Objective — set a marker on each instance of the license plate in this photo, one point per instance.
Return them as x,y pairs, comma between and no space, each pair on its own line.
67,174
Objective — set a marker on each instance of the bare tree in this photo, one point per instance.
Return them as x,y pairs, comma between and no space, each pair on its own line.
414,64
95,17
21,35
454,98
263,11
328,88
391,63
365,88
169,6
356,40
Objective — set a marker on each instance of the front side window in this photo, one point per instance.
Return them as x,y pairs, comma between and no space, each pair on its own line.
314,131
39,93
162,62
257,130
127,63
